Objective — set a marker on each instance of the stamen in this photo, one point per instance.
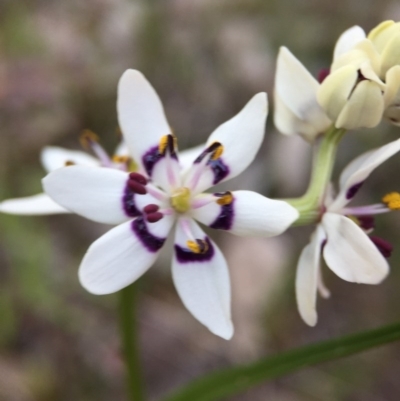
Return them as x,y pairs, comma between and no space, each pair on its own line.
69,163
384,247
141,179
180,200
120,159
154,217
167,142
392,200
87,138
225,198
152,208
198,246
322,74
219,149
136,187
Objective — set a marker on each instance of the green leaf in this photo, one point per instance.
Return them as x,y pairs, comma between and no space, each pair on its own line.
220,385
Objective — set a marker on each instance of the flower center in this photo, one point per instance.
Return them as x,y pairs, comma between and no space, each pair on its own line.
180,200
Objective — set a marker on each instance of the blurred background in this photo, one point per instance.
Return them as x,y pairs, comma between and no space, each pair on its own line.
59,66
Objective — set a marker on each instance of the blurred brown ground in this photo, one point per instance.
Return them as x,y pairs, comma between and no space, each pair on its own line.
59,65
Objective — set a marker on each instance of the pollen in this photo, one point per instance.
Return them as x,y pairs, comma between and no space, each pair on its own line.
167,141
225,199
180,200
69,163
219,149
120,159
87,138
392,200
197,246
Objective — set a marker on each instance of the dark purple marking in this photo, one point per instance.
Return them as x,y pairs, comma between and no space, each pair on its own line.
224,220
185,255
128,203
351,192
384,247
150,241
367,222
220,170
322,74
152,156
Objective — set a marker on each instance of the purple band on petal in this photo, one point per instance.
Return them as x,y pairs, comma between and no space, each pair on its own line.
384,247
220,170
150,241
224,220
185,255
128,203
151,157
351,192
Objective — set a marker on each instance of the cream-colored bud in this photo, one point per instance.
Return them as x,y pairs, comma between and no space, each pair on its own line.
390,54
383,33
350,99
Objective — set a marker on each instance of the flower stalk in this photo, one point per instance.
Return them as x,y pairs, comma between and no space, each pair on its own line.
129,342
309,204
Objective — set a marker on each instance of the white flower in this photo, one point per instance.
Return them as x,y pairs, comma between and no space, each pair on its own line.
147,204
53,157
341,237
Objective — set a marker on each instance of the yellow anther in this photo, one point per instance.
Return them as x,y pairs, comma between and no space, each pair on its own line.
198,246
217,152
120,159
225,199
392,200
87,138
162,146
180,200
69,163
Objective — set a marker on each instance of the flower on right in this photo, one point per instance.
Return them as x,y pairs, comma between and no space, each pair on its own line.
341,236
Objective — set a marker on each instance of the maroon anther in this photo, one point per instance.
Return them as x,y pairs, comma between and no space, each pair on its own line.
141,179
136,187
384,247
322,74
152,208
154,217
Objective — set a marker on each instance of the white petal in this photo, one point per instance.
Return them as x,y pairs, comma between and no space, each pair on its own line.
95,193
347,40
188,156
249,214
307,273
53,157
122,255
140,114
358,171
166,173
349,252
364,109
122,149
241,138
40,204
289,124
297,89
203,285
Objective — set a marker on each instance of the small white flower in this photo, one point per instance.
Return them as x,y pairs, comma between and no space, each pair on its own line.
341,237
164,192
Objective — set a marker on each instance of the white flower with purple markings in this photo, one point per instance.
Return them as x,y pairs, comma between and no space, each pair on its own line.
53,158
342,236
146,204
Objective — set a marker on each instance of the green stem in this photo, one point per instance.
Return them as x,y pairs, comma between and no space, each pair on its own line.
308,205
129,339
225,383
